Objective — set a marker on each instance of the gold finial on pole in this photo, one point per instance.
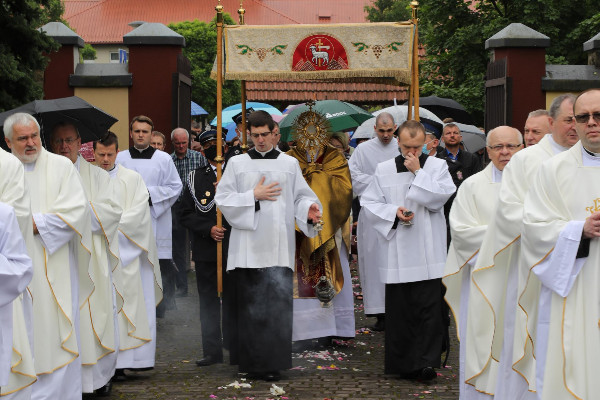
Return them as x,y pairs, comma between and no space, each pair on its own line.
219,159
241,12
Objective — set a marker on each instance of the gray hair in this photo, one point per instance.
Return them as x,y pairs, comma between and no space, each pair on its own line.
383,117
557,102
538,113
183,129
490,133
21,119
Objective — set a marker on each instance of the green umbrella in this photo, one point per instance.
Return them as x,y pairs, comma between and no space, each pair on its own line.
341,116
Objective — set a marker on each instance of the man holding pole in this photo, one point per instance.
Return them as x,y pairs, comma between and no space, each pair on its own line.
263,195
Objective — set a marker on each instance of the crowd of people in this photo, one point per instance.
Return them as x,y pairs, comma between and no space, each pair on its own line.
91,255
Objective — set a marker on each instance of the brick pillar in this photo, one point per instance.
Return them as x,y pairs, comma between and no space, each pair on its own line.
62,62
525,54
153,52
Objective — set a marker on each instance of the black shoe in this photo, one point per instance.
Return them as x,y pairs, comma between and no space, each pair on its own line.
208,360
119,376
380,324
104,391
427,374
272,376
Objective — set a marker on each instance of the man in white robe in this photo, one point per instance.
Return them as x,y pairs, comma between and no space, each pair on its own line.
17,349
164,185
470,214
362,166
262,194
560,244
16,271
99,336
137,250
498,280
61,281
407,197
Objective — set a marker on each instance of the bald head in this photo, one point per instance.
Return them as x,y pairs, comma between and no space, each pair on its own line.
502,142
385,127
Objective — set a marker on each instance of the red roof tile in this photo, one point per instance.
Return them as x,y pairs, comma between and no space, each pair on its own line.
105,21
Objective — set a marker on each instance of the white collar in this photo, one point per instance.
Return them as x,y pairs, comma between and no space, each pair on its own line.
555,146
265,152
496,174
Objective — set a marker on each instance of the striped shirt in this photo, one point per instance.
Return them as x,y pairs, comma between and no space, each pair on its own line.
192,160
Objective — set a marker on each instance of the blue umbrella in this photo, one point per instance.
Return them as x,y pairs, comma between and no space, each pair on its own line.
198,110
235,109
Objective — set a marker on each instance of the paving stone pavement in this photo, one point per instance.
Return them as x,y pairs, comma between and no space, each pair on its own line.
350,369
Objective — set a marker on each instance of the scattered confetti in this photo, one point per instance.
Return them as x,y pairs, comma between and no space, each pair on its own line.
332,367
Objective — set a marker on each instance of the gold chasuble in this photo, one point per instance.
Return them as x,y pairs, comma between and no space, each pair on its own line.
329,178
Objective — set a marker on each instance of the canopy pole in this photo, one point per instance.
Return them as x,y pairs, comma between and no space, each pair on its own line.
219,159
415,64
244,146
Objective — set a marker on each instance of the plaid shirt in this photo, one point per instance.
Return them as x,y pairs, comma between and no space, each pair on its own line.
192,160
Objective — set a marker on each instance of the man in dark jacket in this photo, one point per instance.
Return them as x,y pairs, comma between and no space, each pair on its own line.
199,214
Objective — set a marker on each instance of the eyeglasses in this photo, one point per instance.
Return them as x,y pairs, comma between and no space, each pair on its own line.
67,141
584,118
509,147
263,134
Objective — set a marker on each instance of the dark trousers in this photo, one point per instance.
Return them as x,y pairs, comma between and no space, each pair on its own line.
167,271
181,248
210,309
263,323
413,326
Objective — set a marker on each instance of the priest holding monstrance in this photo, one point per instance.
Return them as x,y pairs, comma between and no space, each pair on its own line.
323,302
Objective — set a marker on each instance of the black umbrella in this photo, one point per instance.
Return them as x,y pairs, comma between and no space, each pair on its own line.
91,121
446,108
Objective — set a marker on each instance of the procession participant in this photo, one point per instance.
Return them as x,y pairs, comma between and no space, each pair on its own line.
406,199
163,183
186,160
536,127
469,217
560,245
323,257
99,335
362,166
237,148
262,194
158,140
61,281
199,214
17,371
137,250
508,370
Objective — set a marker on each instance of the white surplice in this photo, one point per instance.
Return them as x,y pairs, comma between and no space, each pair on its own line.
16,271
565,193
264,238
99,336
164,185
16,349
139,273
496,281
362,166
61,281
471,211
425,195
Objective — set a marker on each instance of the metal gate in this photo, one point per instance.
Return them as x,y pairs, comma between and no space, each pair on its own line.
182,94
497,96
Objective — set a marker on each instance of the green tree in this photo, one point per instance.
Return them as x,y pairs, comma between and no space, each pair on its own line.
389,11
22,49
454,34
201,50
88,52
